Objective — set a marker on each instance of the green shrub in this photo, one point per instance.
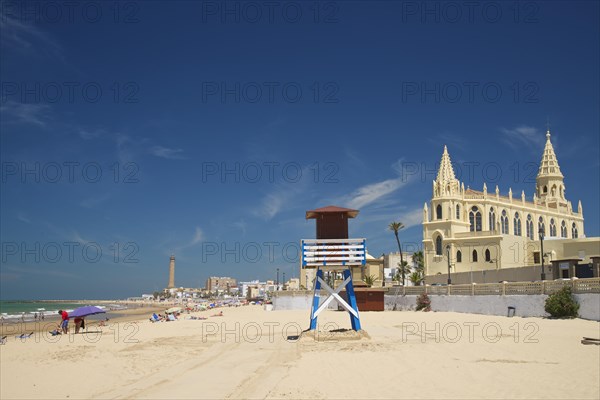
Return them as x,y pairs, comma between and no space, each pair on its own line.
562,304
423,303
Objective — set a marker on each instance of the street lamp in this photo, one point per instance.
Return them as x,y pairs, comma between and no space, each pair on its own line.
383,270
283,281
448,253
541,232
277,282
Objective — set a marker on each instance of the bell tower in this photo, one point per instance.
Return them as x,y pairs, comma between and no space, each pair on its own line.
550,187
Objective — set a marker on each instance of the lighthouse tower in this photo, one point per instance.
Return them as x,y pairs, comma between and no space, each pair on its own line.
171,273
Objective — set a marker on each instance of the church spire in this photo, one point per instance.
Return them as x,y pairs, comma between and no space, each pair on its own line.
445,172
446,183
549,164
549,180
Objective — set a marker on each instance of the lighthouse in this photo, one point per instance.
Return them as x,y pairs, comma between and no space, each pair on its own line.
171,273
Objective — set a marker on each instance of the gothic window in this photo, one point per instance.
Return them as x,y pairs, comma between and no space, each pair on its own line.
488,256
545,189
574,232
438,212
475,219
541,226
492,219
517,224
563,229
504,222
474,255
552,228
458,256
529,224
438,246
457,211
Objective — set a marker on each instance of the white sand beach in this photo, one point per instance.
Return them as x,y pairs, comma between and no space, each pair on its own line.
246,354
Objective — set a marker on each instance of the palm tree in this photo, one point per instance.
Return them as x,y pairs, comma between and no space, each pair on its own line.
403,270
369,280
419,265
416,278
396,226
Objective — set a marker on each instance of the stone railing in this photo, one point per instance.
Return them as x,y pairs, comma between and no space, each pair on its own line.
584,285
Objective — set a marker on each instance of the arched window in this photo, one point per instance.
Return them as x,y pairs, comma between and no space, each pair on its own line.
458,256
457,211
552,228
541,226
438,246
474,255
574,232
492,219
563,229
504,222
529,224
438,211
475,219
517,224
488,256
545,189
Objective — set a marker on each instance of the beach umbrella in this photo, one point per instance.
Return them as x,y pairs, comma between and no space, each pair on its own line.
173,310
85,311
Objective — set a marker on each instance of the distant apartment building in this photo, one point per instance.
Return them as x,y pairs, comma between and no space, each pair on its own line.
220,284
391,262
292,284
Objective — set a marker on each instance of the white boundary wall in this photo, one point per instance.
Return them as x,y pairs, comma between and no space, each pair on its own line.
525,306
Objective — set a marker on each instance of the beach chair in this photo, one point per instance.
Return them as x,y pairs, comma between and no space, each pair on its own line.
172,317
3,340
154,318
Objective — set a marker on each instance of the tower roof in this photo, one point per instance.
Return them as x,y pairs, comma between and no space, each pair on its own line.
445,172
331,209
549,164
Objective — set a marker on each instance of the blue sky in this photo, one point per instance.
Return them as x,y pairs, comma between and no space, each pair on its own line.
129,132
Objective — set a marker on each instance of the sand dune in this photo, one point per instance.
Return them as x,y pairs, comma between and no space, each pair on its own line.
247,354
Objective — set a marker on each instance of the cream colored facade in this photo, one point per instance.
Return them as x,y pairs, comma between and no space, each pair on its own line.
484,231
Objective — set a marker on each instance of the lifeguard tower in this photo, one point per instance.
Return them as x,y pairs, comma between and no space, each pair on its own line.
333,251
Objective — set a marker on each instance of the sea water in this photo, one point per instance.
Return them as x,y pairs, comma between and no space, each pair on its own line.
18,310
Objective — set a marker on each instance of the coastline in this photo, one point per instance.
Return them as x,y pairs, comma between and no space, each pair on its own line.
133,314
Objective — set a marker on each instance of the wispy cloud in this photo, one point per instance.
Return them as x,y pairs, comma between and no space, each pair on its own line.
23,218
372,192
523,135
198,237
76,237
93,202
165,152
27,37
124,148
240,226
91,134
35,114
272,204
178,248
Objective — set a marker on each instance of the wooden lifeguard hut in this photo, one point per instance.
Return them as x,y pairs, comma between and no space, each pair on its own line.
333,250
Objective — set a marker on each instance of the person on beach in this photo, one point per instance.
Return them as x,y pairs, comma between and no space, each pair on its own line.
65,321
78,324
